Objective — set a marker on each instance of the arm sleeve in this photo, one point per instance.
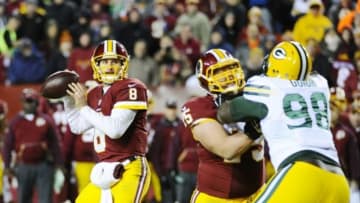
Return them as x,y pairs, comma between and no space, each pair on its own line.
76,123
241,109
114,125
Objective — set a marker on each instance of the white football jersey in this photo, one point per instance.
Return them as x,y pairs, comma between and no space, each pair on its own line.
298,115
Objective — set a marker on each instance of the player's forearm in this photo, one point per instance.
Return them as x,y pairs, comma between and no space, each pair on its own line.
241,109
229,147
113,126
77,124
214,138
235,145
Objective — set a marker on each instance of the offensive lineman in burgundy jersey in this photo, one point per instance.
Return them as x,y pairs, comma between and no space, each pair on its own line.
227,180
227,170
115,111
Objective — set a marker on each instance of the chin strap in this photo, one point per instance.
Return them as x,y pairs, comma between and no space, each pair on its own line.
218,100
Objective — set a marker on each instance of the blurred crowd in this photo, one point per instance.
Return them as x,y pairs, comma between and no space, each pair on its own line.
165,38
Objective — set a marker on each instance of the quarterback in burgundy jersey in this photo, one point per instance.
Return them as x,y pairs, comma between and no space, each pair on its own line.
115,111
227,170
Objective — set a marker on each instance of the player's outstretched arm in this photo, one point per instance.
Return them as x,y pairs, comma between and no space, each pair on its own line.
241,109
115,125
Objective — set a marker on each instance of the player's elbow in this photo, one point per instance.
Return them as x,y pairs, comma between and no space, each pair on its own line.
229,154
234,149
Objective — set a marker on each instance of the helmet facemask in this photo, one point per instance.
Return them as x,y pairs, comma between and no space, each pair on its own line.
110,70
225,78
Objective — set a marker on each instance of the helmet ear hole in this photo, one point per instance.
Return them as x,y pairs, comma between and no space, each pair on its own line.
265,63
122,61
198,68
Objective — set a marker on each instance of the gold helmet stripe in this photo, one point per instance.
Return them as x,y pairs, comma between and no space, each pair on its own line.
220,53
303,60
110,46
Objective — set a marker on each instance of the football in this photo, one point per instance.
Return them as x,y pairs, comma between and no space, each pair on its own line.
56,84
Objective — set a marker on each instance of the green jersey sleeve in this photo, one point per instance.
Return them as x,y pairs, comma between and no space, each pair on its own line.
241,109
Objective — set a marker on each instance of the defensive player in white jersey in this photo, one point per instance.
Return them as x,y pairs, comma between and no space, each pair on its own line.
293,108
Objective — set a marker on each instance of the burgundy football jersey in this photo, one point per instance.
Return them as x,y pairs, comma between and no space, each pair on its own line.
215,177
131,94
346,144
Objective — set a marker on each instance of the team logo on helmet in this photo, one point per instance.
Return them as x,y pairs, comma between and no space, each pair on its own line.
288,60
279,53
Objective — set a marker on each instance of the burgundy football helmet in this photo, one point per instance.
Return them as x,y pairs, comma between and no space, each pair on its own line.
220,73
110,49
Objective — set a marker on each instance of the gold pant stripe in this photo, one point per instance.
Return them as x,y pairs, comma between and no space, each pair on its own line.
144,174
194,196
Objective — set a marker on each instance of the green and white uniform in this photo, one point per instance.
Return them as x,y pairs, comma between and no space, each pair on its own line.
295,120
298,115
